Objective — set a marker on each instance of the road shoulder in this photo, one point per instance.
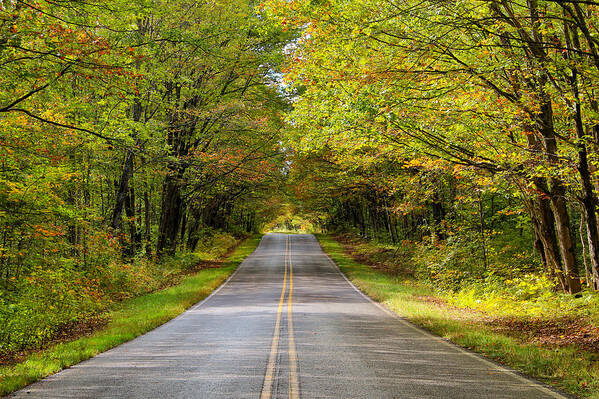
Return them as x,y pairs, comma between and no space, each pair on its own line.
132,318
402,299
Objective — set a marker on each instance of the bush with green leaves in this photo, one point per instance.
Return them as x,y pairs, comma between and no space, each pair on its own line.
34,308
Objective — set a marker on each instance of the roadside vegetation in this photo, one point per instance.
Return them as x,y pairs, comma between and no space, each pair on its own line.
469,127
126,320
58,303
458,140
138,140
534,342
454,148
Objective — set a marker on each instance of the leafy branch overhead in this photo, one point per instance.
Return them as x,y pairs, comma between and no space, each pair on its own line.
129,132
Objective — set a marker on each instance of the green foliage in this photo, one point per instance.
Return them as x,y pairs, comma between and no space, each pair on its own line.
454,272
422,113
570,368
36,307
214,245
290,220
136,139
128,319
452,264
528,297
398,260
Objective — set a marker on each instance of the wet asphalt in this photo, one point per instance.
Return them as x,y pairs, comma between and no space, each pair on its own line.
331,342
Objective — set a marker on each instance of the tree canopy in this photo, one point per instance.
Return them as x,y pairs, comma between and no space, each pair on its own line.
412,108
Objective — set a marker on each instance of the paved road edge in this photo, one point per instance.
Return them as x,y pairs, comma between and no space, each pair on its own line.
24,377
496,366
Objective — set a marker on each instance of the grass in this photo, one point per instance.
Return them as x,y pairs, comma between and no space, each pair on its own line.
569,368
132,317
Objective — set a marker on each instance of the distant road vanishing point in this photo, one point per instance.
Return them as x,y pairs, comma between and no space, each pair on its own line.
287,325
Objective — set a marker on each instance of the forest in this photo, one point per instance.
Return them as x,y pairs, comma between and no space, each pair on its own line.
469,127
129,132
453,147
456,143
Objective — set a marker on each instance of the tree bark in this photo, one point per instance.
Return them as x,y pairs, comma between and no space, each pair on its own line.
562,222
545,126
481,214
147,222
589,199
585,251
547,234
170,218
134,236
122,192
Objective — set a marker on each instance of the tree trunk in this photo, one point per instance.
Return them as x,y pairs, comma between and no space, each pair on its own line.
192,236
392,230
562,222
538,243
585,252
546,224
481,214
134,237
122,192
588,200
545,126
170,218
183,225
589,203
147,222
438,216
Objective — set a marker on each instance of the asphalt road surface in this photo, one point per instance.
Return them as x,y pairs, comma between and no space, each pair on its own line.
287,325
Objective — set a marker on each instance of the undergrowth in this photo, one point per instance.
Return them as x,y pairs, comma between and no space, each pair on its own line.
507,320
33,309
127,320
523,292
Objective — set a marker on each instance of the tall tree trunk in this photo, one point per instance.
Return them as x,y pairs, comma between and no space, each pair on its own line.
134,236
170,218
562,222
392,230
122,192
536,82
585,252
481,214
589,203
147,222
547,234
183,225
589,199
438,216
126,174
192,236
545,126
538,242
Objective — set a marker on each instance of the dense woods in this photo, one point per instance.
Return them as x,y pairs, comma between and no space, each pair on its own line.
135,135
130,131
469,129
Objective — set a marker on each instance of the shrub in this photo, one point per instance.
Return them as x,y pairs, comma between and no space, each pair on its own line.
35,307
38,305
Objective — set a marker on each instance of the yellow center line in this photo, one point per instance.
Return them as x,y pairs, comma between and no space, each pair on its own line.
293,380
269,377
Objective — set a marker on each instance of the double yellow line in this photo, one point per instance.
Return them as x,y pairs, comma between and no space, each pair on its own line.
293,380
269,377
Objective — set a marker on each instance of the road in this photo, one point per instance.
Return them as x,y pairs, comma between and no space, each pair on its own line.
287,325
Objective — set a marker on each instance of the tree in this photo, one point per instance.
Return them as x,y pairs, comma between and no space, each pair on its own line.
493,87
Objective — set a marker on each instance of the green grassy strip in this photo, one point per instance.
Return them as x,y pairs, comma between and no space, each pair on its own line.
132,318
568,368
